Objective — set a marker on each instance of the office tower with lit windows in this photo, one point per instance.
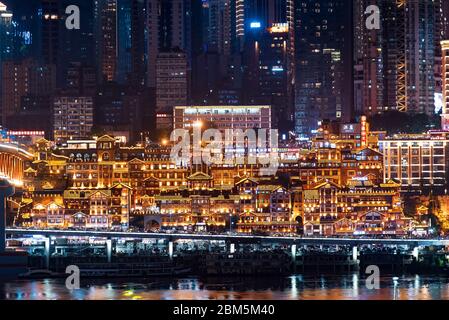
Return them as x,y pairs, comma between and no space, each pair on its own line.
267,77
6,45
51,29
445,85
171,86
169,25
131,42
106,38
324,62
223,117
445,18
21,79
6,28
268,64
77,46
27,103
420,54
368,64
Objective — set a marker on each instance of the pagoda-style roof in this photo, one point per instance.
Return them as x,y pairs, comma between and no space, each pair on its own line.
136,160
247,179
324,183
151,178
369,151
199,176
104,193
120,184
47,185
392,183
106,138
269,187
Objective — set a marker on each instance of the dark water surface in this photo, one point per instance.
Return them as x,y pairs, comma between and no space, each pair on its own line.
300,287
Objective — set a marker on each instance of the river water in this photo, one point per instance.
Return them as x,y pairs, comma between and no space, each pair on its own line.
299,287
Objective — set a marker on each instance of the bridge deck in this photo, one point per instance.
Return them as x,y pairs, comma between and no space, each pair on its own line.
230,238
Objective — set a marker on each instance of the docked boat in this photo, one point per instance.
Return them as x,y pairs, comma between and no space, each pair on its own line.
255,263
125,270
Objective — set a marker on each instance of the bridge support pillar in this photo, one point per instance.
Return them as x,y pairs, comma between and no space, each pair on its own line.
47,245
415,253
109,250
355,253
6,190
170,249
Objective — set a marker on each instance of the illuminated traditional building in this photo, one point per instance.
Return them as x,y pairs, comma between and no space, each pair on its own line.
264,207
360,208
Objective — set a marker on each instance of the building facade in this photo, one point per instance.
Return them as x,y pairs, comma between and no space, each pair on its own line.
416,161
72,117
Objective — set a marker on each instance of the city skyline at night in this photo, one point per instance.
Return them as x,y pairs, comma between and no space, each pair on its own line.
224,149
309,60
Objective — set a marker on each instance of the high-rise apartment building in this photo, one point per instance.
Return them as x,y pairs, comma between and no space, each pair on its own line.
72,117
445,18
324,62
5,42
15,85
23,78
169,25
268,78
171,86
51,30
131,42
106,38
445,85
397,67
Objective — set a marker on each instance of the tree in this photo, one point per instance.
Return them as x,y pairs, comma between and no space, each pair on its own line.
400,122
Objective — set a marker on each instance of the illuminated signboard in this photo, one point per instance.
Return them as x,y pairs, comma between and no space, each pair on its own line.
255,25
279,28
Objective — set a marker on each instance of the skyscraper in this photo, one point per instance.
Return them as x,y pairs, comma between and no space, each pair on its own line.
445,18
445,84
324,62
420,53
5,42
397,66
267,79
106,38
51,29
171,86
368,64
77,45
168,28
131,42
267,40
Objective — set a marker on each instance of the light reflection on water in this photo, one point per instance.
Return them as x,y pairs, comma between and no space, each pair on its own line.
299,287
